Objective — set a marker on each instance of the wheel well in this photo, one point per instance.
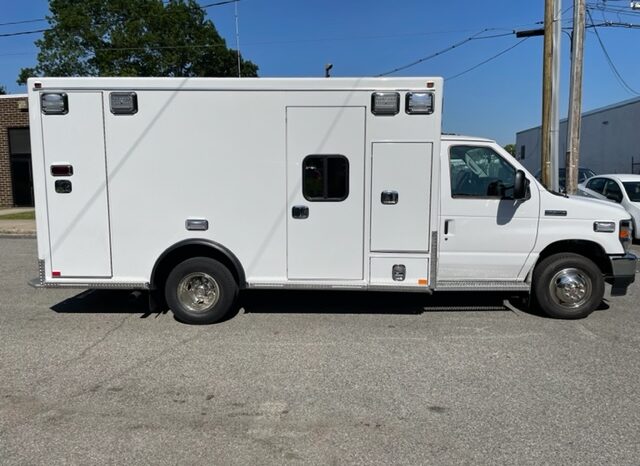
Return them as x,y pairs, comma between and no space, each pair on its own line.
199,248
588,249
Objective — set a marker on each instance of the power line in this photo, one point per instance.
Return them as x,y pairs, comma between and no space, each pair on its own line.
475,36
612,24
487,60
610,61
23,22
22,33
299,40
37,20
225,2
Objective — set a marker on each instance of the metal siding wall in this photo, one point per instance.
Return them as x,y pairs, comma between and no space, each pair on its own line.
605,148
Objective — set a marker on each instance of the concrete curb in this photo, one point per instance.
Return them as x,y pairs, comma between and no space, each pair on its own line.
17,234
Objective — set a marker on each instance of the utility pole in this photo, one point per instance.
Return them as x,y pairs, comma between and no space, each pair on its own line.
237,38
550,92
575,97
555,95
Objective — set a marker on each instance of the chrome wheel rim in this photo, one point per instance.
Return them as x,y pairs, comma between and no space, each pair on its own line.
198,292
570,288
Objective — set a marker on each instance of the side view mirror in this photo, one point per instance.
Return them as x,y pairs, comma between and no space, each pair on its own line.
520,186
614,197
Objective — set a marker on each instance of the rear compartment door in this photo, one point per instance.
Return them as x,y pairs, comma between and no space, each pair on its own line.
78,211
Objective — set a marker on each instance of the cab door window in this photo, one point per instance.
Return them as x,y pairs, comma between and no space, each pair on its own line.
479,172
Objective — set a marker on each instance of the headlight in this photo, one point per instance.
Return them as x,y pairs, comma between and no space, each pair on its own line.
604,227
626,234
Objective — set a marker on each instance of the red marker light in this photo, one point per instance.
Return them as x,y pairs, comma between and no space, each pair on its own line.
431,85
61,170
55,273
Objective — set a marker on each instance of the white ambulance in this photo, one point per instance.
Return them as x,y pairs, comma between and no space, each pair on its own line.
197,188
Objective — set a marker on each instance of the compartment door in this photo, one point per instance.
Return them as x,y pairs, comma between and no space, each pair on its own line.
325,184
401,197
77,203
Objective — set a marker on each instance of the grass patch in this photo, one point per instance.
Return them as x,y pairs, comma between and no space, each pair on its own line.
30,215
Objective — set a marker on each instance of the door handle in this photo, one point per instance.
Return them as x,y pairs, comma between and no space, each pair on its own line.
447,225
63,186
389,197
300,211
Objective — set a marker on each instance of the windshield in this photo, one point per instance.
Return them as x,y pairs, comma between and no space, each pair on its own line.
633,190
584,174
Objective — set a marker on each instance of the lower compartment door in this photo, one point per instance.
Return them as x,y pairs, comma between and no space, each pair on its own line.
399,271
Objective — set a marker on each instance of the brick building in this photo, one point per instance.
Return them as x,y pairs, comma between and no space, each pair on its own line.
16,181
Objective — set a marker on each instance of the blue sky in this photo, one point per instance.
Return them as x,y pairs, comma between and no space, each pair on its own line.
364,38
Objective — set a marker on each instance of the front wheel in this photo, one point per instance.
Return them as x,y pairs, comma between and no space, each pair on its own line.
568,286
200,291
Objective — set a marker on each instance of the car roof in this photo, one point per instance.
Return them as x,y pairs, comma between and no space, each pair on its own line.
460,137
620,177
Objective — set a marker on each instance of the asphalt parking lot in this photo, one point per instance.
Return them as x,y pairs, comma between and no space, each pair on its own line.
322,378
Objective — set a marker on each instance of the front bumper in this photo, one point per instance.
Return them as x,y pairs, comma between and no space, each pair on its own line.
623,274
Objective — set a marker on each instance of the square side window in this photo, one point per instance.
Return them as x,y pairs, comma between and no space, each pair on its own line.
325,178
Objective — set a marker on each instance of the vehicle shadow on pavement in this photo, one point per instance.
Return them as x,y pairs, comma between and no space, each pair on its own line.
106,302
289,302
359,302
312,302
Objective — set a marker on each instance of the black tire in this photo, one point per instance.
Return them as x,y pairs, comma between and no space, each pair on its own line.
200,291
567,269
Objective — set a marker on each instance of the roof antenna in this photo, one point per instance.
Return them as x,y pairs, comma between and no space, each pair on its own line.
327,70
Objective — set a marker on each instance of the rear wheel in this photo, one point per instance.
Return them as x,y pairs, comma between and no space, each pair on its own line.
200,291
568,286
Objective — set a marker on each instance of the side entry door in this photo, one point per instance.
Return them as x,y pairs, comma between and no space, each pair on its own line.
76,187
325,190
485,234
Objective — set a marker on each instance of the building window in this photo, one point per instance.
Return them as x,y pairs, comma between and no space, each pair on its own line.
20,161
522,152
325,178
19,143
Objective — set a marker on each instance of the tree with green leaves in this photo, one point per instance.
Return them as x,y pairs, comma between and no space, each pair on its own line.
133,38
511,148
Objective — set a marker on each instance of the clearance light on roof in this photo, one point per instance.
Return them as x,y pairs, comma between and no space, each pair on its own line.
123,103
54,103
385,103
419,103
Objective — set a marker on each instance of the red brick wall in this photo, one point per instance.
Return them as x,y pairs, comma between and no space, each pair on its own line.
10,117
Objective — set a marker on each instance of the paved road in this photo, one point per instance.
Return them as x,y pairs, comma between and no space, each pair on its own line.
319,378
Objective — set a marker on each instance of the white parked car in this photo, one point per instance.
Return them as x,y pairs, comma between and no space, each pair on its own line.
621,189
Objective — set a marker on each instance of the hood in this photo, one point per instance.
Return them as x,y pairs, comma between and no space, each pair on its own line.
633,208
579,207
